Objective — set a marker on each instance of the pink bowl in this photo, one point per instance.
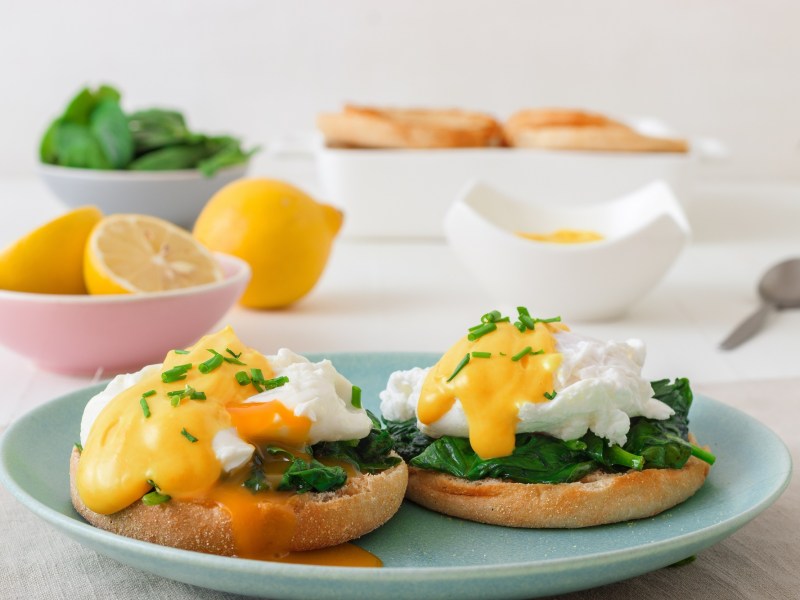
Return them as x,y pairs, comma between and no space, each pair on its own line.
80,334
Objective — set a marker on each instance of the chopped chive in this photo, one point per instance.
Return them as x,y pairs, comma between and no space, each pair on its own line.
525,351
175,373
355,397
523,311
181,351
519,325
212,363
503,320
257,375
481,354
195,395
502,354
188,435
527,321
459,366
145,407
540,351
481,331
242,378
491,317
178,393
703,454
550,395
233,361
550,320
148,393
79,446
154,498
232,353
474,327
175,401
271,384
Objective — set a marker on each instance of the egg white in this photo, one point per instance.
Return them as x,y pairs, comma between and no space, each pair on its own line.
314,390
599,387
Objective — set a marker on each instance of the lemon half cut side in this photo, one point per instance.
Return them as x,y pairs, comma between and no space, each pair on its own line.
128,253
49,259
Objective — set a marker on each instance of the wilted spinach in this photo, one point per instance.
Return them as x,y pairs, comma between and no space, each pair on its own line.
539,458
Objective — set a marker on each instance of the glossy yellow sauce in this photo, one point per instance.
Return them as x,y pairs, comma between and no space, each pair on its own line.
564,236
126,451
491,390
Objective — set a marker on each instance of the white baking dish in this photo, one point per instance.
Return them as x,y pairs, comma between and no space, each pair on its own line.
406,193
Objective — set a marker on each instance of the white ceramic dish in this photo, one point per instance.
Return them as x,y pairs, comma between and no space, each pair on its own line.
177,196
644,232
406,193
80,334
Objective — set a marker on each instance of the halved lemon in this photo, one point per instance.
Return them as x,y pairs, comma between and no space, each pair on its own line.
130,253
49,259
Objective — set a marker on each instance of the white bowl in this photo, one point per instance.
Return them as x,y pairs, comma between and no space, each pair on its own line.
80,334
177,196
644,232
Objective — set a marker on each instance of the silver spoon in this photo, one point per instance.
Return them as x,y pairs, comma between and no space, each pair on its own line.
779,288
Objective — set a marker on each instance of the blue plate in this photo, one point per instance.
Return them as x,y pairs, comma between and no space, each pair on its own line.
427,555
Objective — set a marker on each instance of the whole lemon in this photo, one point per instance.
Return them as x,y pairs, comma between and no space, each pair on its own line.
284,234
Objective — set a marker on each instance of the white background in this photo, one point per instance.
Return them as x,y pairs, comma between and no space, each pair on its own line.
265,68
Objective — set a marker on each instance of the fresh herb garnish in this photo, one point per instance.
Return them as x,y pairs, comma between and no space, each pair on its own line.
212,363
176,373
145,407
78,446
188,435
181,351
481,331
154,497
242,378
481,354
524,352
550,395
459,366
355,397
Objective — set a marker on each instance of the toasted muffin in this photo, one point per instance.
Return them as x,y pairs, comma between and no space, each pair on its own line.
370,127
565,129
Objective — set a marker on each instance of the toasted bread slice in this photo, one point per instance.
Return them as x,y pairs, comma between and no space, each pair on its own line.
564,129
597,499
369,127
321,520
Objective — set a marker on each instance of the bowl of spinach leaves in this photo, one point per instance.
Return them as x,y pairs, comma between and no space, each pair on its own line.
147,161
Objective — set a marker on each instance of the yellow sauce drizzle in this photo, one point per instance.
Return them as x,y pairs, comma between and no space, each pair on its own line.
491,390
564,236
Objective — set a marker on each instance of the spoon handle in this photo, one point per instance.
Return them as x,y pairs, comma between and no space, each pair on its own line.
748,328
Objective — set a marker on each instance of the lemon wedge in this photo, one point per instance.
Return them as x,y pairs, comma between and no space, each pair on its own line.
49,259
130,253
283,233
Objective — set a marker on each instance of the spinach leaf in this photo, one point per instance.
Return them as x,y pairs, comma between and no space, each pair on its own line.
156,128
408,440
257,481
110,126
311,476
535,459
77,147
370,454
664,444
80,108
48,149
170,158
228,152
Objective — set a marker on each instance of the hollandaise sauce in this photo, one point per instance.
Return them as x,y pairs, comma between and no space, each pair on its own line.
564,236
158,433
492,371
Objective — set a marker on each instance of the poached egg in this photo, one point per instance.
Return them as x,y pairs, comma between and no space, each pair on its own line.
511,379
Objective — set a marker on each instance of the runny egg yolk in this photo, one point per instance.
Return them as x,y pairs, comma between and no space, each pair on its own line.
492,388
127,451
